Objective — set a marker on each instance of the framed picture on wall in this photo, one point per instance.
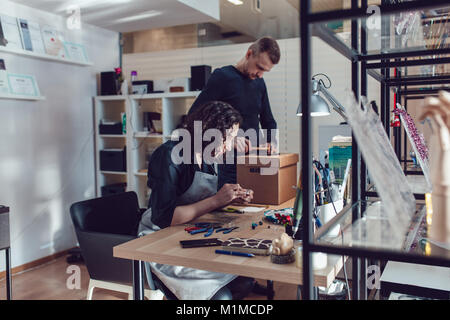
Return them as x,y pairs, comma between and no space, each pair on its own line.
4,87
11,35
24,85
75,52
53,41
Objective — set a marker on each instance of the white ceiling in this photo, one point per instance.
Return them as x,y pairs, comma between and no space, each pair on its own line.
278,18
133,15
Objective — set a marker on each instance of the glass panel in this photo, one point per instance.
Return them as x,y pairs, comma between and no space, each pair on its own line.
374,232
413,30
398,33
417,183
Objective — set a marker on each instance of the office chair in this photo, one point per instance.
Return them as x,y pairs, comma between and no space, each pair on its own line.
102,223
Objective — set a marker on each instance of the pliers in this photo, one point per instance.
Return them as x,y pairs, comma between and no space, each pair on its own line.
233,210
203,227
211,230
226,230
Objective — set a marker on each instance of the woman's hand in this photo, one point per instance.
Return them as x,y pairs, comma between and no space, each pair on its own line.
233,193
246,196
229,193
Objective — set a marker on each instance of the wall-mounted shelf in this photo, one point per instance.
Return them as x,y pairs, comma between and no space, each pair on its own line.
112,136
114,172
42,56
111,98
143,134
20,97
185,94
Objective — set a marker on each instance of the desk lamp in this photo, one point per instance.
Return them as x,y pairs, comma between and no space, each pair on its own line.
319,106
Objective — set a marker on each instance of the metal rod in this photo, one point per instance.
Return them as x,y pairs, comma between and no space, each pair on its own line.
330,38
419,83
356,159
8,274
138,283
405,105
306,170
396,130
381,254
421,79
403,54
422,91
363,169
407,63
383,100
270,292
418,97
377,76
385,33
388,108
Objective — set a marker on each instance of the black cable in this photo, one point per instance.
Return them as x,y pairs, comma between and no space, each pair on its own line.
319,167
321,81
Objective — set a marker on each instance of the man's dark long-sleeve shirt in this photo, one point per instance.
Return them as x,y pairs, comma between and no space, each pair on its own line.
247,96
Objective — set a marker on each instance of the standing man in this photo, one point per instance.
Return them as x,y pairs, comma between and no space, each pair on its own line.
242,86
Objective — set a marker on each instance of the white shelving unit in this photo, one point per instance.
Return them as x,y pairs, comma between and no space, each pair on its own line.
140,144
42,56
108,108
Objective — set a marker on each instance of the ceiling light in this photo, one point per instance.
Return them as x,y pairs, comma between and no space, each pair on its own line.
144,15
236,2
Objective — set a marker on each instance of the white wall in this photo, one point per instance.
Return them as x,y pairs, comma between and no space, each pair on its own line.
46,147
283,81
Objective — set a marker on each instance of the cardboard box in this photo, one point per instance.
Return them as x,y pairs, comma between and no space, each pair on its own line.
272,178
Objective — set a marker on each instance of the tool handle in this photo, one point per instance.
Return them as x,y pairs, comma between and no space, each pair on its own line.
198,231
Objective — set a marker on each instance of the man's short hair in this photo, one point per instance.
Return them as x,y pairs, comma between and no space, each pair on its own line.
269,45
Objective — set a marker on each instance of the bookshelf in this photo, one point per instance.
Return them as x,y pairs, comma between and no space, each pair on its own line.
139,142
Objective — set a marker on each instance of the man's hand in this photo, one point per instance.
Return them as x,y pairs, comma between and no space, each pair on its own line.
271,148
242,145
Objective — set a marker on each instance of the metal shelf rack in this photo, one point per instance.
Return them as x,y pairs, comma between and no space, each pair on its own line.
312,23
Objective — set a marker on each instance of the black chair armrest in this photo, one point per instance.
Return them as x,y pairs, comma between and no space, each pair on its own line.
97,251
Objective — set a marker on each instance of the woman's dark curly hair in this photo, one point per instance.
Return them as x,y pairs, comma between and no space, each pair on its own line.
213,115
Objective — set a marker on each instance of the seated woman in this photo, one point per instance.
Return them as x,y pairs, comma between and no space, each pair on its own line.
182,192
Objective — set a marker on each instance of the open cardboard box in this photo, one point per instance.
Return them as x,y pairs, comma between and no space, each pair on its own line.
273,178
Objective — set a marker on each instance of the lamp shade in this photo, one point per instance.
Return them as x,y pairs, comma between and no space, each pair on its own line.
319,107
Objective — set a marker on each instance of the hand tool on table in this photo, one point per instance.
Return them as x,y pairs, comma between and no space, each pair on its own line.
203,227
226,230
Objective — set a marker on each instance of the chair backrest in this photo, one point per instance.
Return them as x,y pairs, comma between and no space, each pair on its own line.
102,223
116,214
